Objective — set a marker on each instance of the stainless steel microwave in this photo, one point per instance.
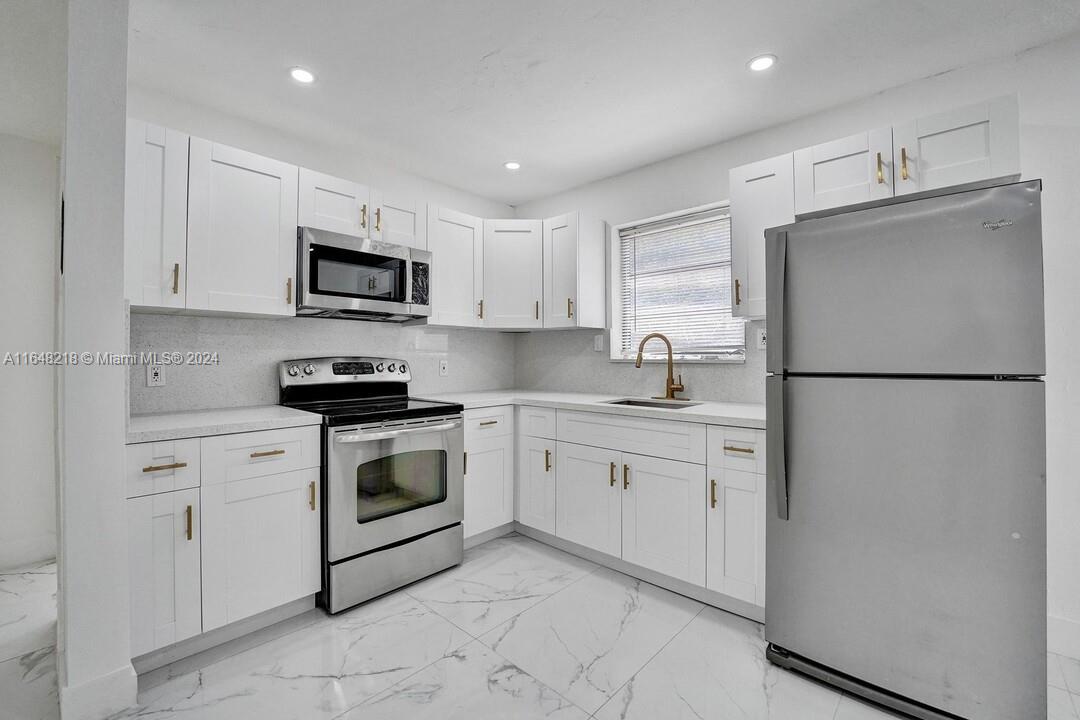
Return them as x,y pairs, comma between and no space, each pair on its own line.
342,276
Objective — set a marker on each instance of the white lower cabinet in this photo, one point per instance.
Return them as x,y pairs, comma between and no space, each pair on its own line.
735,528
588,492
260,544
164,565
489,469
535,491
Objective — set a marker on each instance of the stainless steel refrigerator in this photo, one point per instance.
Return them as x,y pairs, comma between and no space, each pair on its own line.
906,530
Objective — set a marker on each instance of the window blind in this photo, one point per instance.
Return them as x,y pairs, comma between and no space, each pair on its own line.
676,280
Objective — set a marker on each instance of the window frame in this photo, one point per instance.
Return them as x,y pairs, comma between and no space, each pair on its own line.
614,248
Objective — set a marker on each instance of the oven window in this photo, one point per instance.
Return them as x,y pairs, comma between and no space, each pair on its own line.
399,483
348,273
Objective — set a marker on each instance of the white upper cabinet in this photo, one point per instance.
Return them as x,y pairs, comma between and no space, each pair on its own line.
333,204
762,196
850,170
400,219
456,243
155,216
241,231
971,143
513,273
574,272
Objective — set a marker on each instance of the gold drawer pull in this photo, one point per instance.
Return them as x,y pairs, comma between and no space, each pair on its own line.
547,460
378,219
188,512
176,279
612,483
738,296
363,215
489,422
625,477
311,492
732,448
266,453
903,164
569,308
712,494
288,291
880,170
170,466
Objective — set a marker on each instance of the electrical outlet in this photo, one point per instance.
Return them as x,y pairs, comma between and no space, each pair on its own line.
155,376
444,368
598,343
760,339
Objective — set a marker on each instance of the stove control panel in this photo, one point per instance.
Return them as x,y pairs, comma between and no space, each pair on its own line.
315,371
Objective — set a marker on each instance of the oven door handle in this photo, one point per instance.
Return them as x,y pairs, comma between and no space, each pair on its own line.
389,434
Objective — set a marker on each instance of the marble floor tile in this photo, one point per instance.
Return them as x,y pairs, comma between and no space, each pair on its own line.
588,640
28,689
319,671
472,683
498,580
27,609
715,668
1070,673
1054,675
1060,705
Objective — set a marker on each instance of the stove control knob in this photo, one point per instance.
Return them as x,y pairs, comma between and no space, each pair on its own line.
293,370
403,369
309,369
391,367
379,367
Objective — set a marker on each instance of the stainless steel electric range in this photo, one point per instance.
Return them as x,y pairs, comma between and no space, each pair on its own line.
392,477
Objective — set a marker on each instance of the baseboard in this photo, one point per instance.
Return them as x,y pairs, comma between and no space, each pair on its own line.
709,597
1063,636
497,532
101,697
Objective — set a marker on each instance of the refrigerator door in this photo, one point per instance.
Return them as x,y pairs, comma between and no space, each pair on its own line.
947,285
914,553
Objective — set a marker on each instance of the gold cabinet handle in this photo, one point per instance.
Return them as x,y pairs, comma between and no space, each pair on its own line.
880,171
547,460
569,308
486,423
738,297
288,291
537,312
363,215
158,468
903,164
712,494
176,279
189,521
733,448
612,481
266,453
481,309
625,477
378,219
311,494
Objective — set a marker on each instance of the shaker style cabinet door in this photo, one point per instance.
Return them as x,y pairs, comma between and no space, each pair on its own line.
155,216
456,243
489,483
762,196
536,483
589,491
850,170
399,219
241,231
513,273
330,203
164,564
735,528
574,272
977,142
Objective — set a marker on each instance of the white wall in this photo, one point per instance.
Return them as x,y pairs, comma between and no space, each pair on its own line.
29,198
1045,80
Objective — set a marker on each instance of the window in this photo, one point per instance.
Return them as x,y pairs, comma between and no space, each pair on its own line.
672,275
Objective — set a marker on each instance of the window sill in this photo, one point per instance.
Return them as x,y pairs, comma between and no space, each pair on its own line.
678,360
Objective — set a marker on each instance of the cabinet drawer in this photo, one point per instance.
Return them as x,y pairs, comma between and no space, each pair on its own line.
158,467
246,455
737,448
489,422
536,421
657,438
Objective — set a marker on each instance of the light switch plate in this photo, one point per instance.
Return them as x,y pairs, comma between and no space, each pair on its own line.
155,376
760,345
444,368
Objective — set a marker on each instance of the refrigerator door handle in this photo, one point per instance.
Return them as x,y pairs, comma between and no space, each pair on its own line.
776,262
775,443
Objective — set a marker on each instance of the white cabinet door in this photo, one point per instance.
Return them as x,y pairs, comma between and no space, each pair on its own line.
850,170
399,219
574,272
260,544
513,273
663,516
163,558
536,483
456,243
762,196
589,491
333,204
735,529
489,482
155,215
971,143
241,231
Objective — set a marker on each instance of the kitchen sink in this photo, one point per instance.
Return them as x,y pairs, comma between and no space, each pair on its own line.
654,403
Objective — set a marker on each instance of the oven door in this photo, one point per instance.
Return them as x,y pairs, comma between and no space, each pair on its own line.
338,272
392,482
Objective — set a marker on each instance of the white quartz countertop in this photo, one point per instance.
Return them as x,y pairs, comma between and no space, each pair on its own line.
153,427
750,415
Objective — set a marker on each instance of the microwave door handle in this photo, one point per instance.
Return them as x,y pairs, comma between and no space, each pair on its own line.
390,434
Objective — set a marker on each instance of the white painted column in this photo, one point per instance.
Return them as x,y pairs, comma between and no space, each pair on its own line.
94,659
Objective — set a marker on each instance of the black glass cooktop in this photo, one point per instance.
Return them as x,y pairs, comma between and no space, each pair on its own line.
342,412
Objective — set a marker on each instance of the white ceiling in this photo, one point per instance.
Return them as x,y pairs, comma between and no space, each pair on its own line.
575,90
33,68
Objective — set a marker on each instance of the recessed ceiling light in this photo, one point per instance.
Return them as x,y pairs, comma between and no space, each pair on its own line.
761,62
301,75
511,165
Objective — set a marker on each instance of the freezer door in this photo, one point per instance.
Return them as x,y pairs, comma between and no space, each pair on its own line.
948,285
913,557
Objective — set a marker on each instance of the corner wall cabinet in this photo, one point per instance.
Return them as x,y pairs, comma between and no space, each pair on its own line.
574,273
513,280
